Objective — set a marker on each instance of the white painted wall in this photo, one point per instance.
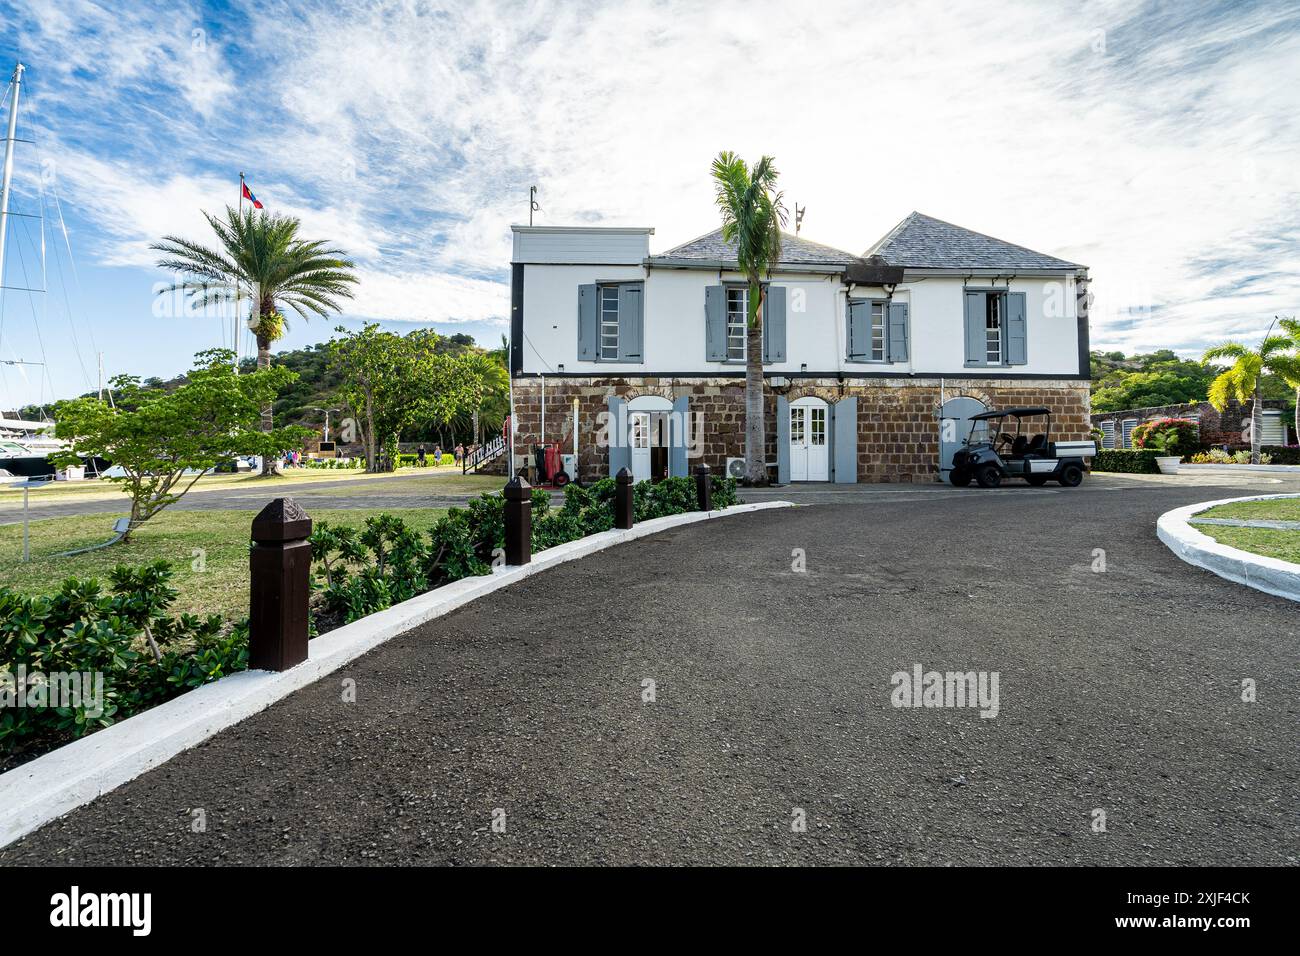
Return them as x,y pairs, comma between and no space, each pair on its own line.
815,323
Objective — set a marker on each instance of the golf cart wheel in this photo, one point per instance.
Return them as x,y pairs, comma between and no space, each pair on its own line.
561,479
1071,476
988,476
959,477
1036,480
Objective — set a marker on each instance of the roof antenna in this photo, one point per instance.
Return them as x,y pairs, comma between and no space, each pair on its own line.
798,217
532,203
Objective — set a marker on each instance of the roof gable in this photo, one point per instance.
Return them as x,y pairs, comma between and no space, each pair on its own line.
923,242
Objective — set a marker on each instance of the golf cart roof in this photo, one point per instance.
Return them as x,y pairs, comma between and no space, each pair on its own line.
1025,412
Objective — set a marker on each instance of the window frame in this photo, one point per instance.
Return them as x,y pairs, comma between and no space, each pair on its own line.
872,302
615,284
727,286
1002,326
601,289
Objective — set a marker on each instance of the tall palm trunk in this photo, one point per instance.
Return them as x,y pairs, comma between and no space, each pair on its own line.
270,463
755,419
1256,424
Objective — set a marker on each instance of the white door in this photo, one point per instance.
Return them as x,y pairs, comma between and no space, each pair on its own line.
809,450
640,422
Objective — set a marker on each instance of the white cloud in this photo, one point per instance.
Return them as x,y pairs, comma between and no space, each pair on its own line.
1157,148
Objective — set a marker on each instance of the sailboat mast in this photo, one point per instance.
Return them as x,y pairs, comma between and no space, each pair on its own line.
9,166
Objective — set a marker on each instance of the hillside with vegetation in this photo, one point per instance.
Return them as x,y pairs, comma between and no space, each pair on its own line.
317,387
1122,381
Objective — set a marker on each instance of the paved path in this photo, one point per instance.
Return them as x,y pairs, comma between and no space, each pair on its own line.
1119,691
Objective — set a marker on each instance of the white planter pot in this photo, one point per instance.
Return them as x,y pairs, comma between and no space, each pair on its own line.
1168,465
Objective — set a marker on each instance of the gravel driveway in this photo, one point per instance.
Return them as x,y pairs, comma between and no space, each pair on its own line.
1119,691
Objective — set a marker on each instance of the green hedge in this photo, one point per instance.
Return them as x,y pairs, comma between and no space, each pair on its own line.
1283,454
413,461
87,628
1130,461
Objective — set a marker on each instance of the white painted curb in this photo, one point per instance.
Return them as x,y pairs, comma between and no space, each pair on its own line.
1215,469
1271,575
49,786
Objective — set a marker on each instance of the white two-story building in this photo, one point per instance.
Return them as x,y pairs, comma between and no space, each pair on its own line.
873,361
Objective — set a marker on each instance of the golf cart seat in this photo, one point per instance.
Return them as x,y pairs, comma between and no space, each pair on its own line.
1037,444
1020,445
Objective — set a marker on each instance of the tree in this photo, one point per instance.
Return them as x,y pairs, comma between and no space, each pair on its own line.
752,217
390,383
1243,379
260,258
166,440
1289,370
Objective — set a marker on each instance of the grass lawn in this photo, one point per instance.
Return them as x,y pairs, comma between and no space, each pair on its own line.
1277,509
413,481
1266,541
221,586
1270,542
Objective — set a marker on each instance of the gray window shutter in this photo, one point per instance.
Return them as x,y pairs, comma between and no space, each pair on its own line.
975,329
782,440
1016,337
679,436
860,331
620,452
898,331
846,441
715,324
587,334
630,310
774,324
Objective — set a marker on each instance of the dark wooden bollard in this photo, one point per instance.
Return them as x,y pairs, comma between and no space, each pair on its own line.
519,521
703,488
623,499
279,586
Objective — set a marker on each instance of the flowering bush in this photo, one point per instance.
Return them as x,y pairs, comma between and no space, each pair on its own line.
1169,436
1217,456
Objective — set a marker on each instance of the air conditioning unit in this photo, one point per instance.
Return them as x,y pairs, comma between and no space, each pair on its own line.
735,468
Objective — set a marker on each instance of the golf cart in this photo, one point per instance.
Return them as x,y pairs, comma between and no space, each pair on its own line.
996,453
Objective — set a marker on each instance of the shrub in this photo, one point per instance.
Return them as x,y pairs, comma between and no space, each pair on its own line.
124,637
1169,436
1283,454
1218,456
360,571
1126,460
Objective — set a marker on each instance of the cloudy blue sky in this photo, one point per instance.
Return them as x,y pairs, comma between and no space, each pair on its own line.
1157,143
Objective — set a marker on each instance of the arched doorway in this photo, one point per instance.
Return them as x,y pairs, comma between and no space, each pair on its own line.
954,427
649,434
810,458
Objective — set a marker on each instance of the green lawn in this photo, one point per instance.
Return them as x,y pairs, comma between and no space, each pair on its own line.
216,584
1266,541
1272,543
1277,509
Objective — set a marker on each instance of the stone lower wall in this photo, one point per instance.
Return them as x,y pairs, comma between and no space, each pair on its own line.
898,426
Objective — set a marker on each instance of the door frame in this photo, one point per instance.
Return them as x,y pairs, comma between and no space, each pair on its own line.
644,405
803,405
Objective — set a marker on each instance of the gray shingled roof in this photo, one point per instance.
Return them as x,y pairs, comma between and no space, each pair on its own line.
923,242
794,250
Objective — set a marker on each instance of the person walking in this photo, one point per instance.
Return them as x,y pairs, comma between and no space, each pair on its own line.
419,456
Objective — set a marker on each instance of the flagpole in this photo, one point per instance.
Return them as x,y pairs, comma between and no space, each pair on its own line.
235,330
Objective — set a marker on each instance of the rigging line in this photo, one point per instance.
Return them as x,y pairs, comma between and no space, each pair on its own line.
68,306
40,339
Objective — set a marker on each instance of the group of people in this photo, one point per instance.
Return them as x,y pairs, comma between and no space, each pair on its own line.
458,454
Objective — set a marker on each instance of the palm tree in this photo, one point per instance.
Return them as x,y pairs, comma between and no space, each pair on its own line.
1243,379
752,217
260,257
1292,328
